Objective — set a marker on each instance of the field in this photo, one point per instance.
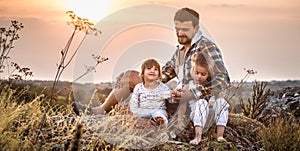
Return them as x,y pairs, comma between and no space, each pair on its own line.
32,121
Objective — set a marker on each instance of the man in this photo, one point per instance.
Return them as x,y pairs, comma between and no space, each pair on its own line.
190,40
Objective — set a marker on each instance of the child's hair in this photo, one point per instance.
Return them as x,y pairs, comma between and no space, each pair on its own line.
149,64
199,59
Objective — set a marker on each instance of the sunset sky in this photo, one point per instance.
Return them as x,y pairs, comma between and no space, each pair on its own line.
263,35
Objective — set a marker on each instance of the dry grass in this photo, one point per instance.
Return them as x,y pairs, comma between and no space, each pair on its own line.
20,123
17,120
282,134
19,130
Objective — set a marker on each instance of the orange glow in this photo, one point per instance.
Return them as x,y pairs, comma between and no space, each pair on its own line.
94,10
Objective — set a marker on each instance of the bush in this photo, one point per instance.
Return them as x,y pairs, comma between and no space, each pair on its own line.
260,99
281,135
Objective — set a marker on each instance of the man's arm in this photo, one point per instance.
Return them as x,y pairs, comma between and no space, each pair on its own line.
134,101
168,70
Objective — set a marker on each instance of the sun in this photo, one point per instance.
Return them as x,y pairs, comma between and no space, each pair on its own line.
94,10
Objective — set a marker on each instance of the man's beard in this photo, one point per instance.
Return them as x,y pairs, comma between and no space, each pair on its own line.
183,40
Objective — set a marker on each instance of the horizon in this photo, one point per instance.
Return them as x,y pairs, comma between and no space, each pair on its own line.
111,82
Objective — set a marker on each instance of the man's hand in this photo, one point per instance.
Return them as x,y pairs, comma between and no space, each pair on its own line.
183,94
176,95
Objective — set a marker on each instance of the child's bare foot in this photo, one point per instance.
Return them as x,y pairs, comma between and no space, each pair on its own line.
221,139
195,141
198,136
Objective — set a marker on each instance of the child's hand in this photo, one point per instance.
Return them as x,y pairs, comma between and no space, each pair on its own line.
176,95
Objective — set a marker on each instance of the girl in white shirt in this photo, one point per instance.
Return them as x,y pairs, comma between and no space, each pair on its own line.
148,98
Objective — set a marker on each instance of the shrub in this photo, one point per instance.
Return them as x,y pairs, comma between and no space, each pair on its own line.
282,134
260,99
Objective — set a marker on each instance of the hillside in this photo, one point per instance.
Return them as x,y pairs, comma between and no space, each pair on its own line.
264,121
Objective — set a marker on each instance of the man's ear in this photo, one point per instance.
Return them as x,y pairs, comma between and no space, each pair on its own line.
197,28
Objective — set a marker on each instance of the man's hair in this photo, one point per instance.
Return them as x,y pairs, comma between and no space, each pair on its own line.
187,14
149,64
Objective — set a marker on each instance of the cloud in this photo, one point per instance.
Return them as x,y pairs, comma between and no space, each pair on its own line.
224,5
30,9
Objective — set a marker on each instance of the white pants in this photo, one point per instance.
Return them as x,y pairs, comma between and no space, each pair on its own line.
200,110
147,113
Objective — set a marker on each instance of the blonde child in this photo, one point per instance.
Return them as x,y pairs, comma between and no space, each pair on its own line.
148,98
202,73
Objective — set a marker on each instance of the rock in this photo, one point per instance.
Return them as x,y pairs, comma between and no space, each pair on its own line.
283,103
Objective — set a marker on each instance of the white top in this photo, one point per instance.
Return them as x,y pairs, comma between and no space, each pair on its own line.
143,98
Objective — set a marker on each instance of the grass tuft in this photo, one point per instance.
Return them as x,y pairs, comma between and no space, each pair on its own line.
282,134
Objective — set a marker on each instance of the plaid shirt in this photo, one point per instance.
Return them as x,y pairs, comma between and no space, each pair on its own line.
219,76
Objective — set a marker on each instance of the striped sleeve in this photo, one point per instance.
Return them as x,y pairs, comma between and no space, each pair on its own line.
168,70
